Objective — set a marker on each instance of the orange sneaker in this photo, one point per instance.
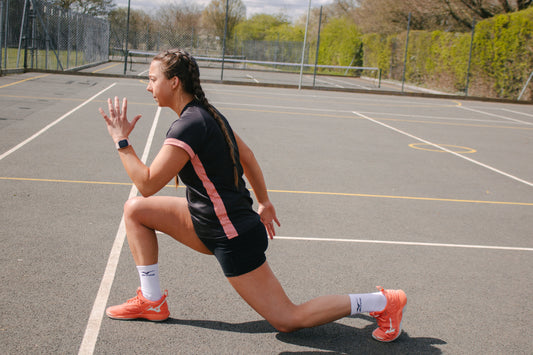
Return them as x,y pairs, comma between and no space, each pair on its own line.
140,307
390,319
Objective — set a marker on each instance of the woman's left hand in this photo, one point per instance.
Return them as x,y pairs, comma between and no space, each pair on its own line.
117,122
268,217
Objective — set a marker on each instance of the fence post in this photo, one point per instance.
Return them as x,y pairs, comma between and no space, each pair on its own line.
6,27
224,41
317,45
303,49
21,30
470,56
1,32
127,39
406,47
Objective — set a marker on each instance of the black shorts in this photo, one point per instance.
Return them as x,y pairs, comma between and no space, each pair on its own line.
241,254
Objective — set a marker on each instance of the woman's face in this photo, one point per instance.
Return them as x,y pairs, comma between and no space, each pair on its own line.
158,84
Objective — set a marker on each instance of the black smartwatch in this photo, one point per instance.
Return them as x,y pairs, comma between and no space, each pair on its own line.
123,143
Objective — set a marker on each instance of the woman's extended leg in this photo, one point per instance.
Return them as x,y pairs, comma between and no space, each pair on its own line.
263,292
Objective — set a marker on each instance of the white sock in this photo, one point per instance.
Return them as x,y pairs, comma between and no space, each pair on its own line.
150,288
367,302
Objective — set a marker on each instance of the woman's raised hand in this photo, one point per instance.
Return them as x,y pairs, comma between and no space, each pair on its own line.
117,122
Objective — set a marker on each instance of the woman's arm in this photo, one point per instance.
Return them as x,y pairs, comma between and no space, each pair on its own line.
253,173
149,180
166,164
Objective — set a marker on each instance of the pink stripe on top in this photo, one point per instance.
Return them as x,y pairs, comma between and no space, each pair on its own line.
220,209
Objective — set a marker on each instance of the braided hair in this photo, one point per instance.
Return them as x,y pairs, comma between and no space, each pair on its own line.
181,64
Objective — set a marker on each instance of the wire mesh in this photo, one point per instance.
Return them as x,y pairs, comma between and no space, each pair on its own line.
39,35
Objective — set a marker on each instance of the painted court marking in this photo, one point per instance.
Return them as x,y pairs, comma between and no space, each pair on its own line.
23,80
95,318
441,245
444,149
494,115
352,194
518,112
22,144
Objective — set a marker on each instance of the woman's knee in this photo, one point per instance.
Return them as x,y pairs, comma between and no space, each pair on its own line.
133,206
285,326
288,322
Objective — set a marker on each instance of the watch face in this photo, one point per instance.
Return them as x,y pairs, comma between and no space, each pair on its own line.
123,143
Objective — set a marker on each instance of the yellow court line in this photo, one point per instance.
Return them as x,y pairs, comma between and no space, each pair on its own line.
109,66
21,81
294,192
406,197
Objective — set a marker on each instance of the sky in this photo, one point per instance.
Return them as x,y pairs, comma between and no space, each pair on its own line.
293,8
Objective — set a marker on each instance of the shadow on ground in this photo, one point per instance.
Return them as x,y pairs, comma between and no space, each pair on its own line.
333,337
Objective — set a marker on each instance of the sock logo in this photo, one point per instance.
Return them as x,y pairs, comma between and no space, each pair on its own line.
148,273
359,305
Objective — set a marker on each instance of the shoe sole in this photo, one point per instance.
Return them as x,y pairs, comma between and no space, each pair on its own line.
134,318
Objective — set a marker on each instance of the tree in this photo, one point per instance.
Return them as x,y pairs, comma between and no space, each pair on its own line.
464,11
214,16
89,7
178,16
259,26
390,16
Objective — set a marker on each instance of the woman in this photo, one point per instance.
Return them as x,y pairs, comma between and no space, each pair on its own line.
217,216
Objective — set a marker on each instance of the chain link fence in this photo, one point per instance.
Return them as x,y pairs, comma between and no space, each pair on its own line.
37,35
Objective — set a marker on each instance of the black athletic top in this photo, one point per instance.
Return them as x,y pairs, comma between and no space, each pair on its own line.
218,208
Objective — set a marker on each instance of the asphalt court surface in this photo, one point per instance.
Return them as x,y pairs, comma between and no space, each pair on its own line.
433,196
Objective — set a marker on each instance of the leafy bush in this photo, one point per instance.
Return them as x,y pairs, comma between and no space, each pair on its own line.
502,56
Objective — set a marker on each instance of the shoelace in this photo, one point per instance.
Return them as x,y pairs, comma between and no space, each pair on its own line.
134,300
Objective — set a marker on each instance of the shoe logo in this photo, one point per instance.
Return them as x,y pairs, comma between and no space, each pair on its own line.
158,308
148,273
391,330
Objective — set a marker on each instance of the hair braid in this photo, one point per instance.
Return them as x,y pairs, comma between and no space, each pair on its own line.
181,64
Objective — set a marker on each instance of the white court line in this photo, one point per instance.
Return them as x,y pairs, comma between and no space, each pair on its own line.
517,112
22,144
494,115
438,245
252,77
392,242
143,72
95,318
445,149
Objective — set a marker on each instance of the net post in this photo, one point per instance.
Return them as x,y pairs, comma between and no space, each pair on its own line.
525,86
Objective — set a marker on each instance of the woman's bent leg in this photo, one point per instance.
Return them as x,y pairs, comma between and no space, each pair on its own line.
170,215
263,292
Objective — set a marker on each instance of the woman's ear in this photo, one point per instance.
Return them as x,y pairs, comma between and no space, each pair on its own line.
175,82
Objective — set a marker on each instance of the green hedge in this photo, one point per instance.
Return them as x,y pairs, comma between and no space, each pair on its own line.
502,57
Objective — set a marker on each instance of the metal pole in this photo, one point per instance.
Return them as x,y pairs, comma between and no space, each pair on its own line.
127,39
470,56
6,28
224,41
406,46
303,47
317,45
21,30
1,33
525,86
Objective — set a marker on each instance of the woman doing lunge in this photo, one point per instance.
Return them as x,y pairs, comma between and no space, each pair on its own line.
216,217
